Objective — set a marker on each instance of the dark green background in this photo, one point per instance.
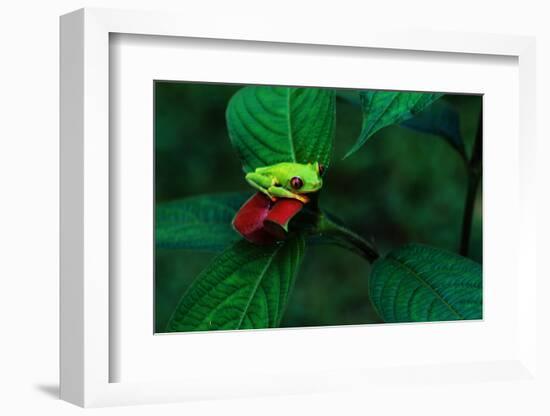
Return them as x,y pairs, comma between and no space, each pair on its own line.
402,186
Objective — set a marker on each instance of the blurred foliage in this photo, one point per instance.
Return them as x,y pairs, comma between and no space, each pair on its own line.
402,186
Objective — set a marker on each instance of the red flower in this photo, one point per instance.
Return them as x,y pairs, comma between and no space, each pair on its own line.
262,221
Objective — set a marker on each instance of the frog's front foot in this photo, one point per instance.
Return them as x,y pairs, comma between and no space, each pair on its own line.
302,198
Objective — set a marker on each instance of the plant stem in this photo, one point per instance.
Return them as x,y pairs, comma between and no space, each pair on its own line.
474,177
473,182
349,238
476,159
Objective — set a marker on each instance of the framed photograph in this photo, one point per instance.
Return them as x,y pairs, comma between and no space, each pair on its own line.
261,214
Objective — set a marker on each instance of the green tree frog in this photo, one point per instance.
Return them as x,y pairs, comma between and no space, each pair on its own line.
287,180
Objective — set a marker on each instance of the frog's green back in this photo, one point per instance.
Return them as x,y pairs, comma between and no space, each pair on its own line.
285,171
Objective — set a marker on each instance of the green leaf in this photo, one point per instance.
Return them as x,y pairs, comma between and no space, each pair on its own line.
417,283
200,222
247,286
440,119
384,108
269,125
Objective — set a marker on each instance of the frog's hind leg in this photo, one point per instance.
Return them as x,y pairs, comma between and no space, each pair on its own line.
260,182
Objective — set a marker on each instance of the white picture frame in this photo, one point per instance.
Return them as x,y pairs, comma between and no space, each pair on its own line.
87,167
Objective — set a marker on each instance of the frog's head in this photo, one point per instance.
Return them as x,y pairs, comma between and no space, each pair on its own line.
306,178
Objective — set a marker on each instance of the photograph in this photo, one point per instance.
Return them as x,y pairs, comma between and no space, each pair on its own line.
243,208
293,207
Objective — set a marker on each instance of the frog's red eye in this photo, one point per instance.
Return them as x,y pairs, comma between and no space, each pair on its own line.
296,182
321,169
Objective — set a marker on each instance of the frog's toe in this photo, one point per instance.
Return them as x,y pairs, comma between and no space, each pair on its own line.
303,199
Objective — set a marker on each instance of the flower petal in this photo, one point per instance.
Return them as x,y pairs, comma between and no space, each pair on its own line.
276,221
250,218
262,221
